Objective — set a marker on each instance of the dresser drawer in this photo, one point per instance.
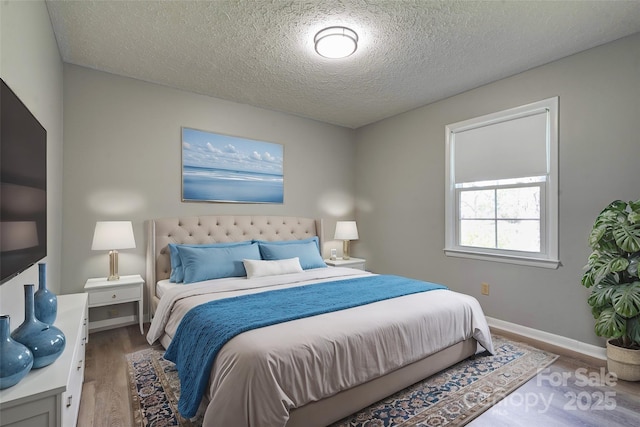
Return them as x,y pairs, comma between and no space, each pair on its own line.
71,397
114,295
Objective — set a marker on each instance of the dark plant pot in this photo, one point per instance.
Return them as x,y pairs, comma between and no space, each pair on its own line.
624,362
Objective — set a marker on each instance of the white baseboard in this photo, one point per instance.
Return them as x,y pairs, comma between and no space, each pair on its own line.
553,339
115,322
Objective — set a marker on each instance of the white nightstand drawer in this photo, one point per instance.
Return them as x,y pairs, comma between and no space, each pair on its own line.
114,296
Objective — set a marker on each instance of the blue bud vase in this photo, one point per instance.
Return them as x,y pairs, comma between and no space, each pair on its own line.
46,342
46,302
15,359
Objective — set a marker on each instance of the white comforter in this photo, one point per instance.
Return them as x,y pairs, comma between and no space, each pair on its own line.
260,375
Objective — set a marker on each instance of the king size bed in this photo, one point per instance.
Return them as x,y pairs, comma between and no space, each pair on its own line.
356,338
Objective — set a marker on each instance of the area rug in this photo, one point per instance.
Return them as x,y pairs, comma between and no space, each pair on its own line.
450,398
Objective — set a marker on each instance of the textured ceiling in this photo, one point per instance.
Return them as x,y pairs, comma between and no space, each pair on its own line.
260,52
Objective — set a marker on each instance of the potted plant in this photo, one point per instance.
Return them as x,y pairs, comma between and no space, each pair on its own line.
612,273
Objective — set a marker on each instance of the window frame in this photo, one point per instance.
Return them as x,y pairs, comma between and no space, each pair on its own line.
548,257
495,187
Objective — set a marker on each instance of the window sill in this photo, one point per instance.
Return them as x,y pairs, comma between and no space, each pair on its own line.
509,259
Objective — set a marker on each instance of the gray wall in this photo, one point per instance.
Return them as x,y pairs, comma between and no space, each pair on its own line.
122,159
30,64
400,185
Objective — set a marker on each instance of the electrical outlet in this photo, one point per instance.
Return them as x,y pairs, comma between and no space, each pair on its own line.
112,313
484,288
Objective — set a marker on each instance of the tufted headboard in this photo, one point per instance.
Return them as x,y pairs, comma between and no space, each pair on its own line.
216,229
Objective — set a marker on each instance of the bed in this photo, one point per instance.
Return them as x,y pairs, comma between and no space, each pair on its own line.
315,370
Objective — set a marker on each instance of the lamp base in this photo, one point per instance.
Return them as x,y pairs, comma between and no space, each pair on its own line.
345,249
113,266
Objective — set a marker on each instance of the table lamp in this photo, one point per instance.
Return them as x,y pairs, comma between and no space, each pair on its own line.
111,236
346,231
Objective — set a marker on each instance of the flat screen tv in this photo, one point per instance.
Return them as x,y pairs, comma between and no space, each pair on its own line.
23,186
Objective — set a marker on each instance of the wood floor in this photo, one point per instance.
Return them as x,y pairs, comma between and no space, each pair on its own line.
105,393
572,392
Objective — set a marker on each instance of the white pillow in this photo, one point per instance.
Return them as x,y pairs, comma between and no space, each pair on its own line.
259,268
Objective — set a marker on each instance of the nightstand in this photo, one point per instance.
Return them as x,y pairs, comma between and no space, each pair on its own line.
351,263
104,292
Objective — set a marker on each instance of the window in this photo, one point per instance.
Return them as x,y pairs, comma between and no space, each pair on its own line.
502,186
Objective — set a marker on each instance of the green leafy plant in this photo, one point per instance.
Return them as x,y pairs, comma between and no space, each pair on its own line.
612,272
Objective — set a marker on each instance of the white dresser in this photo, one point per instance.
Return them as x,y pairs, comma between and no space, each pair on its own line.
50,396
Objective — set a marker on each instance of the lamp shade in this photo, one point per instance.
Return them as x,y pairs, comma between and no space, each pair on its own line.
346,230
111,235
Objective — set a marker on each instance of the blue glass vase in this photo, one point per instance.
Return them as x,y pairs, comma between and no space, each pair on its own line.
46,342
46,302
16,359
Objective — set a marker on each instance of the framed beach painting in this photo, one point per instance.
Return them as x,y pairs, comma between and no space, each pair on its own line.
223,168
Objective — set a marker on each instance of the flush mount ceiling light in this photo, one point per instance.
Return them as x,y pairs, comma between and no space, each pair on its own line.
336,42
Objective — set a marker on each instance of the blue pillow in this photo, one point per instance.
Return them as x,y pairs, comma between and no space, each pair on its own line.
308,250
216,262
177,270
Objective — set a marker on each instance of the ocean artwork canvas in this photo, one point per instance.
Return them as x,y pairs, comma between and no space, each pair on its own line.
223,168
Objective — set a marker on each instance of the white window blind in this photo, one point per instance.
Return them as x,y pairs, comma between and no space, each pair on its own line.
512,148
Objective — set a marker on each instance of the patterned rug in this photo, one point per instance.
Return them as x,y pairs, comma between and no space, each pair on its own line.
453,397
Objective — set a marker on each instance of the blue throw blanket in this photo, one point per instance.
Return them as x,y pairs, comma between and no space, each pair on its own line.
206,328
